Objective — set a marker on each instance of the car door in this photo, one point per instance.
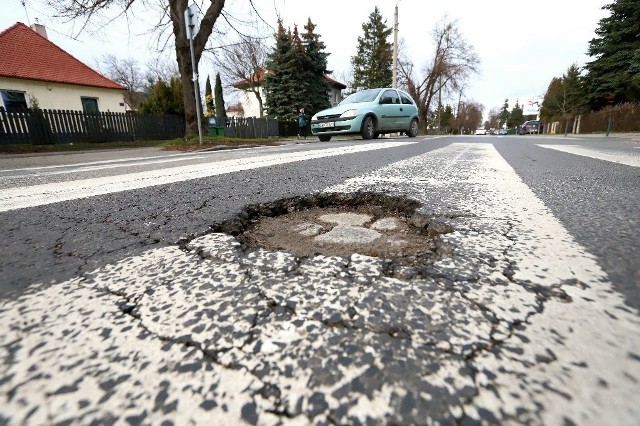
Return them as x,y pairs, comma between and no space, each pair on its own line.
389,109
407,112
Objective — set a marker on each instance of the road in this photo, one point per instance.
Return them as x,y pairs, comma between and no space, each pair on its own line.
133,289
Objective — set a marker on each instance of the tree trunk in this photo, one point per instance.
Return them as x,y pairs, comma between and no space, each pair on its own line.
183,54
188,90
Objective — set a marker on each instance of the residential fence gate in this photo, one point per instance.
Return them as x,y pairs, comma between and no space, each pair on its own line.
251,127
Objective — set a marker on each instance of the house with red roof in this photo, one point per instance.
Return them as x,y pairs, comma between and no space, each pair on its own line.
33,70
249,105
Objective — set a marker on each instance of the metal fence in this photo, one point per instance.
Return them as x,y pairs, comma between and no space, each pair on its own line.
251,127
49,127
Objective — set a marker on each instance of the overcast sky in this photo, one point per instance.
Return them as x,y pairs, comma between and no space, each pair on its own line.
522,45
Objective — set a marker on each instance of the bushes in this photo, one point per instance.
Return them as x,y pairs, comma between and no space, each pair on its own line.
624,118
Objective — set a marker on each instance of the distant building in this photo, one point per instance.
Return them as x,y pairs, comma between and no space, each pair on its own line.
33,69
249,104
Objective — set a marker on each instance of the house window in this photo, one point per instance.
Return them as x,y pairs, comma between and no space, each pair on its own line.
14,101
90,105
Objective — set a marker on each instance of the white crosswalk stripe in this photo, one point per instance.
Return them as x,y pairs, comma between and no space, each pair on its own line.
598,154
482,187
30,196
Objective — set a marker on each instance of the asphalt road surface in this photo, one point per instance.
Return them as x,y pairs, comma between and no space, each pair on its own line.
124,300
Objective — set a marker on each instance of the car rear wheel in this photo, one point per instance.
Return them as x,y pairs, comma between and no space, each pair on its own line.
324,138
413,129
368,128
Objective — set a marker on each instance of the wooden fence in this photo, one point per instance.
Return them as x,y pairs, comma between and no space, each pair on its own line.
48,127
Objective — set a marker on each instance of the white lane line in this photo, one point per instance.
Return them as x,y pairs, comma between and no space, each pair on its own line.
30,196
150,159
574,345
629,160
95,165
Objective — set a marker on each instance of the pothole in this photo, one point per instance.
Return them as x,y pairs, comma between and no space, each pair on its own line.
338,224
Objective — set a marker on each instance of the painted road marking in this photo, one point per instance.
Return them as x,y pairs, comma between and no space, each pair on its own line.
614,157
36,195
217,334
95,165
506,221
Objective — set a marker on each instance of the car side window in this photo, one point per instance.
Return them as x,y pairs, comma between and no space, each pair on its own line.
390,96
405,99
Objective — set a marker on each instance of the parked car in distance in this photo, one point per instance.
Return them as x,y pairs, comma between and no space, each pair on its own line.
481,131
529,127
370,113
502,131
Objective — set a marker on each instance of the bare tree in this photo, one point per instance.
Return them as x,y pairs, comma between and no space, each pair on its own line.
243,65
127,72
468,117
174,10
494,118
453,62
161,68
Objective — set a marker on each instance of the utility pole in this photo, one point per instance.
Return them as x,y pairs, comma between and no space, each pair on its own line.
439,114
395,47
191,24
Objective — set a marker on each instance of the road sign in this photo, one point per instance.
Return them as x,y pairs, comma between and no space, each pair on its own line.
191,21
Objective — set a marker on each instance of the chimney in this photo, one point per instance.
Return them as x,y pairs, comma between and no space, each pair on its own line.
40,29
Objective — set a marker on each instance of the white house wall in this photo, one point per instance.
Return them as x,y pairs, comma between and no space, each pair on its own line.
251,108
65,96
250,103
335,96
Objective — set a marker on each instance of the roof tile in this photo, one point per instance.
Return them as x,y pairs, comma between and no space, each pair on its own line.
25,54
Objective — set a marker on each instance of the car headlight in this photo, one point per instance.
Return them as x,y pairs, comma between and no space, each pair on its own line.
314,118
349,113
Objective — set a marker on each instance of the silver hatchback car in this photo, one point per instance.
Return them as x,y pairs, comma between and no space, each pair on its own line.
370,113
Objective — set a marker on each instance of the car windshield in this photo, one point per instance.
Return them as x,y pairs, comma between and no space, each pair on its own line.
363,96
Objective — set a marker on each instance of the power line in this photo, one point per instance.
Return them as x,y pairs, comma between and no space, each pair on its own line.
26,12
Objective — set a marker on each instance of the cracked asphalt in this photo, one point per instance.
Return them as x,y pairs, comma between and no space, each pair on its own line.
171,315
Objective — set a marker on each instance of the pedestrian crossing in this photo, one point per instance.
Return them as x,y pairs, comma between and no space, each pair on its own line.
37,195
516,299
499,216
598,154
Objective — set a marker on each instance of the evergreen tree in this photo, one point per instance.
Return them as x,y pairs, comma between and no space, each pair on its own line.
515,117
446,115
317,87
563,97
296,74
504,113
208,99
284,83
164,98
372,65
614,75
221,114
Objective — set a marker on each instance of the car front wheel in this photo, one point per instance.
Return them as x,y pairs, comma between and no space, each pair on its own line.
368,128
413,129
324,138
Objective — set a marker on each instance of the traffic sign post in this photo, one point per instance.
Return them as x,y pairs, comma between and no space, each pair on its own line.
192,27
